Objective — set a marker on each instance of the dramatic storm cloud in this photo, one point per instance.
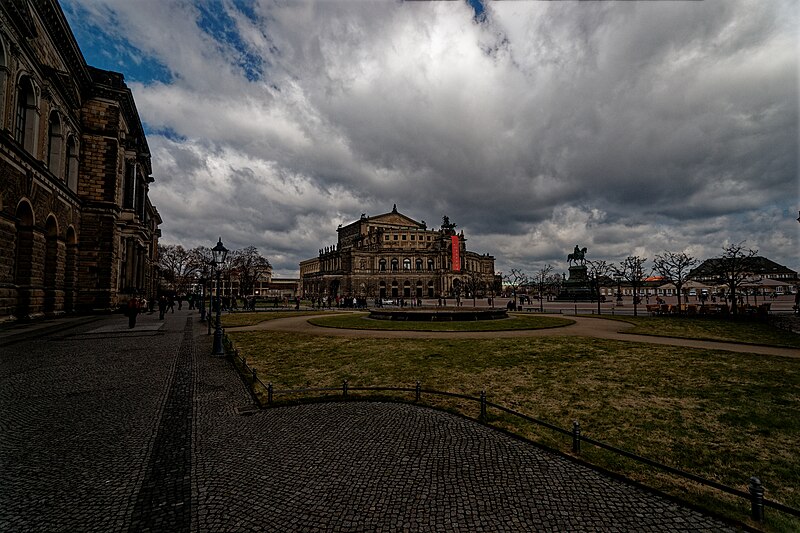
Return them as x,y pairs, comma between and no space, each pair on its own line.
626,127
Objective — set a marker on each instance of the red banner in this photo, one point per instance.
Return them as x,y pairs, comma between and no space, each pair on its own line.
456,253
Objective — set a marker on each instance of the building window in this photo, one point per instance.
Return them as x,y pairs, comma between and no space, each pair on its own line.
54,144
129,190
412,237
382,265
430,264
72,164
406,264
403,237
27,115
419,264
386,238
395,237
395,264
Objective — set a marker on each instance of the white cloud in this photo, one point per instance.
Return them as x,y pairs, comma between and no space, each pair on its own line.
626,127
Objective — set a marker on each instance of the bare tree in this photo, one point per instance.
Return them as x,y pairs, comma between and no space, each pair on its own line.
473,281
631,269
250,267
675,268
733,268
541,279
515,280
177,266
596,271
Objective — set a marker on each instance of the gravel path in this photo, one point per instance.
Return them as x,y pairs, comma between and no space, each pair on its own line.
583,327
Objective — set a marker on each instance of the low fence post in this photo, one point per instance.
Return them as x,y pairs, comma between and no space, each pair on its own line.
269,393
483,406
417,391
344,388
576,437
756,499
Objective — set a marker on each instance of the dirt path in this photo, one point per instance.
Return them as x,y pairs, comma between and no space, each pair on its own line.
583,327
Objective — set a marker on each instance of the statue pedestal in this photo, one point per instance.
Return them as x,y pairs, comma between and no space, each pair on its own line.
577,287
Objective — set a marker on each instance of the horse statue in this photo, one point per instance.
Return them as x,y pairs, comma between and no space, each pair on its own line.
578,256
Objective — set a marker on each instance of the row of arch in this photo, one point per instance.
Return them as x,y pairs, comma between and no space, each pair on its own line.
61,156
43,287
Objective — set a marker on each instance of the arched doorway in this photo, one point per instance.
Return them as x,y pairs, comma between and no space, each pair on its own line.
23,258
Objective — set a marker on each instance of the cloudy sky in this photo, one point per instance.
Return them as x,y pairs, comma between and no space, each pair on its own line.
627,127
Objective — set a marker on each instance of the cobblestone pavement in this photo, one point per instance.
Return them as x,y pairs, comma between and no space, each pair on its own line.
114,430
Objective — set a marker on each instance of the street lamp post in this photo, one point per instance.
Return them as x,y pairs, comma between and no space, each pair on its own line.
618,277
220,253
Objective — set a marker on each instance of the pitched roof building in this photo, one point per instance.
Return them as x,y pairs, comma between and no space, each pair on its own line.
394,256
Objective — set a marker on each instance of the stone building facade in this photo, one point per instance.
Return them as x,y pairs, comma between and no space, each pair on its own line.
77,229
394,256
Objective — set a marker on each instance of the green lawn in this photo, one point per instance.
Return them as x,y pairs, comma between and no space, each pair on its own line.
713,329
360,321
721,415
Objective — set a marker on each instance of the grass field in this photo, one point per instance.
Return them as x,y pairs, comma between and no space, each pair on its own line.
710,329
720,415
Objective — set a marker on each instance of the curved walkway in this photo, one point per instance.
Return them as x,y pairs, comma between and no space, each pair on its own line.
583,327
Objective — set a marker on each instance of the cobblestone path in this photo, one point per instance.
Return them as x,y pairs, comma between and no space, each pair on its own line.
103,429
165,498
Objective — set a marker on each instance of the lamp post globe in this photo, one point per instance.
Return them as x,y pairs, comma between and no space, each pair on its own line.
219,253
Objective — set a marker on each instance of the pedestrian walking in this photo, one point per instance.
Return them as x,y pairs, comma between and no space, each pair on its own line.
162,307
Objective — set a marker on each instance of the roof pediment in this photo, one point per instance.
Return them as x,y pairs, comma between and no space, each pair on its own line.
395,219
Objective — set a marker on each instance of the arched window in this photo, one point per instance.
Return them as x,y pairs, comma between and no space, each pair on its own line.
72,164
382,265
27,115
406,264
54,142
419,264
395,264
430,264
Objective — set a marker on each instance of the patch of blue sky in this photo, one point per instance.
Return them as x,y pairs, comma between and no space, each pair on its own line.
167,133
216,22
478,7
105,51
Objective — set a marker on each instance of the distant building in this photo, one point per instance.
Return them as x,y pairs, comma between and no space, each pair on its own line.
758,267
394,256
77,229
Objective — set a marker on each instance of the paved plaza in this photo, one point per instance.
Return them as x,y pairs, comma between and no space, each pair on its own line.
103,428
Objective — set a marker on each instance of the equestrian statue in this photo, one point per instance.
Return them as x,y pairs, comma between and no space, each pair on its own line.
578,256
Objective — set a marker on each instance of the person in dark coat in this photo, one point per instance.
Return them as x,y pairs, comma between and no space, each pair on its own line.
133,311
